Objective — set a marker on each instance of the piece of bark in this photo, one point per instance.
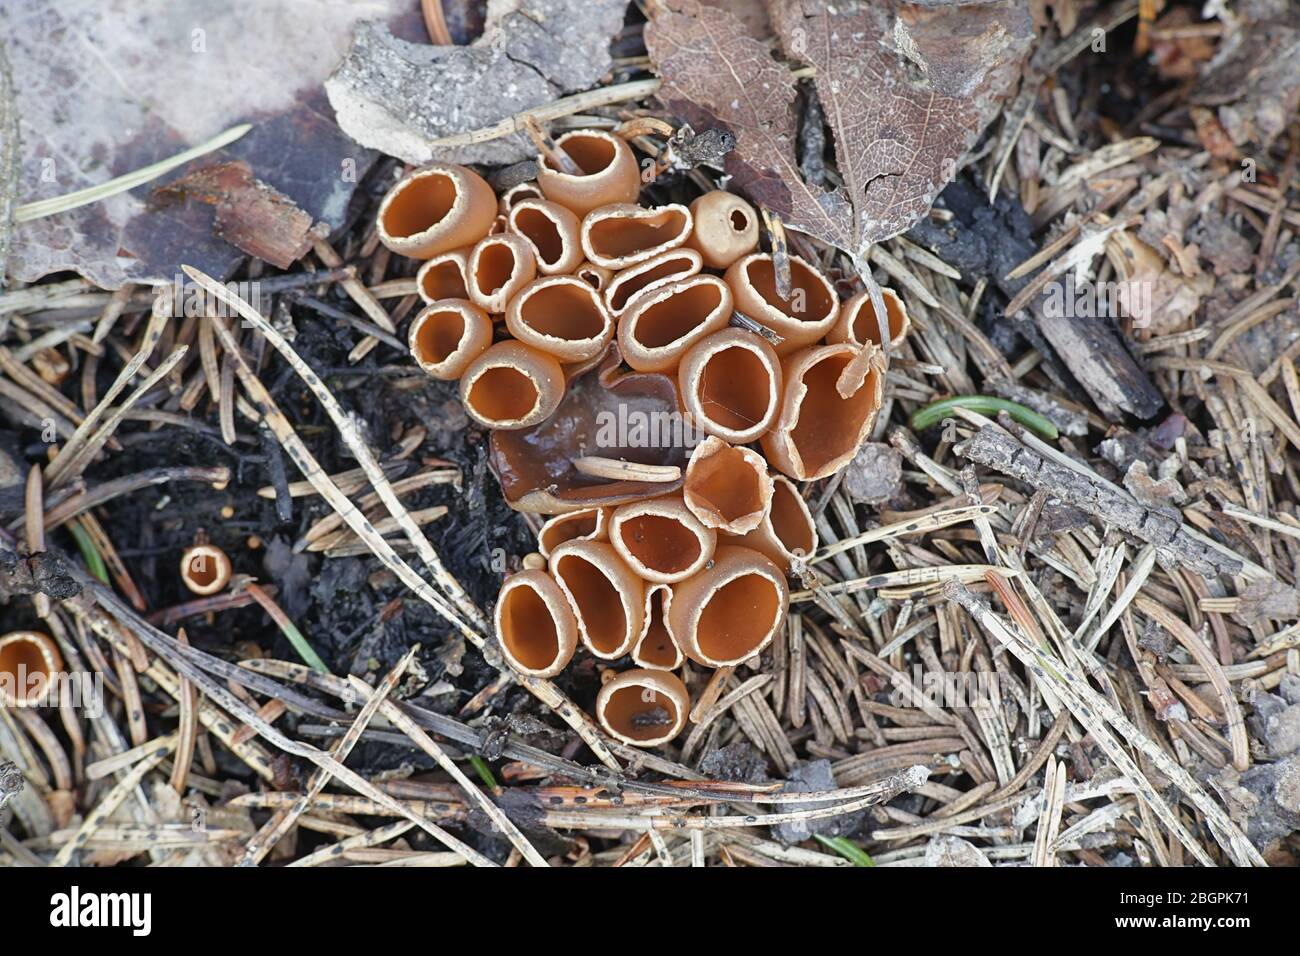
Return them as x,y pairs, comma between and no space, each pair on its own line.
996,449
396,96
1097,358
252,216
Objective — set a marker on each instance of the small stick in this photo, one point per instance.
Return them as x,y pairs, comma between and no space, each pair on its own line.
614,469
549,148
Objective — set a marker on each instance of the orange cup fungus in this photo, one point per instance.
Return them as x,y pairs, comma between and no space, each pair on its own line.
674,513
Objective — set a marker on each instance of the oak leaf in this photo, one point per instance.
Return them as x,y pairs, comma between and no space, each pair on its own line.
907,88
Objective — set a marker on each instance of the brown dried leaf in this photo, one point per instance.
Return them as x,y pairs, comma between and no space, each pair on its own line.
715,74
906,89
106,89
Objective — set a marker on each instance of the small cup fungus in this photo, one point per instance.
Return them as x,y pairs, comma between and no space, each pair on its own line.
669,534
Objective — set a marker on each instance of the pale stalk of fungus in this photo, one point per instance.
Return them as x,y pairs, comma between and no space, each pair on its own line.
205,569
656,648
731,610
660,539
499,266
803,318
726,228
788,531
663,324
436,209
563,316
623,234
30,663
535,625
727,488
511,385
552,231
517,194
857,322
818,431
598,277
585,524
643,708
606,596
659,271
731,385
443,276
447,335
610,173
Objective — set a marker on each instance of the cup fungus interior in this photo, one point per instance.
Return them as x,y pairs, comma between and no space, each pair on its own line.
867,329
657,648
810,300
443,280
439,335
580,524
592,154
737,617
735,388
789,520
599,604
659,542
830,426
541,230
563,310
503,394
25,668
616,236
528,628
202,569
739,221
421,204
640,713
495,266
670,266
727,483
662,323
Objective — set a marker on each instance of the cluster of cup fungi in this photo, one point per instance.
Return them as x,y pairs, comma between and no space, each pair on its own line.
30,661
563,302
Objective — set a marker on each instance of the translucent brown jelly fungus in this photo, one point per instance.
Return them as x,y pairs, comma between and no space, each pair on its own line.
503,394
657,648
439,335
670,265
675,316
791,522
661,543
622,415
737,618
592,154
728,483
528,628
641,713
598,601
541,230
735,389
620,236
806,290
423,202
562,310
443,278
830,426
